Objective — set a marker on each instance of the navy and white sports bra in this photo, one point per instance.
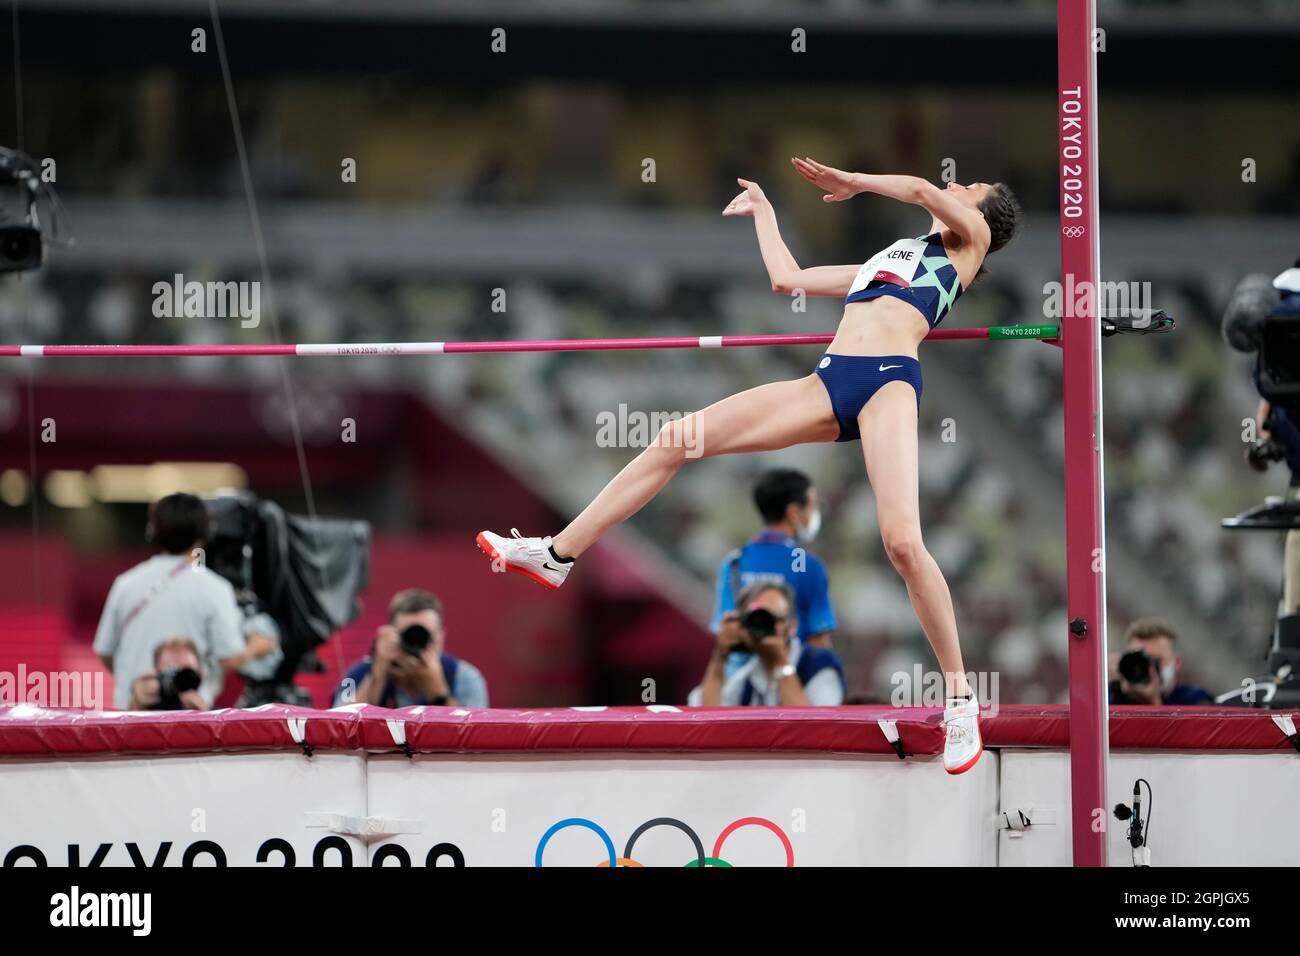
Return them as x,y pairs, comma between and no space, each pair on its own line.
918,271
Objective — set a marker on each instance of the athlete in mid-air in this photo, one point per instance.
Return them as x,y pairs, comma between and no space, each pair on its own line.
866,387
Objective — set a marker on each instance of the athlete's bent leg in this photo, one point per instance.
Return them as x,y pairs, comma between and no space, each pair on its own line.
765,418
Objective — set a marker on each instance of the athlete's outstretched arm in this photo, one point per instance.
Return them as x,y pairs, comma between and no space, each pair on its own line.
782,268
841,185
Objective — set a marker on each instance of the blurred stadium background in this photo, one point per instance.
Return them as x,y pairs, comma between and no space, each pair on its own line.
522,172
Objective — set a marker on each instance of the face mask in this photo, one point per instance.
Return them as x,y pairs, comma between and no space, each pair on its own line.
809,531
1168,676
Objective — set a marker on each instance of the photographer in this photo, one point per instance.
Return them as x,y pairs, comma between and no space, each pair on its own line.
407,666
174,683
788,504
172,593
1147,672
779,669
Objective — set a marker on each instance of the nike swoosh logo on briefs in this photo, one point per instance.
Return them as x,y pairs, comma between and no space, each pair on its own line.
885,368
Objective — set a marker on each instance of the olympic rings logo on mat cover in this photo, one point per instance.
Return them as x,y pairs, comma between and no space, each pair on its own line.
701,859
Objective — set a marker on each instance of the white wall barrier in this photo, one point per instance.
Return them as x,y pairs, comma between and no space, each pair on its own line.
584,788
1211,808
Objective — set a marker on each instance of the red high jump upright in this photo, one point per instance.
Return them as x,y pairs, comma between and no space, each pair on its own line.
1081,374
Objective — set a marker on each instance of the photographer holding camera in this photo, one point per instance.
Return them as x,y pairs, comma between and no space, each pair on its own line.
1147,671
175,681
172,593
788,504
408,667
779,670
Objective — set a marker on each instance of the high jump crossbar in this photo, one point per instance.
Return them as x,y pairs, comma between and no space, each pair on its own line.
1047,333
1139,322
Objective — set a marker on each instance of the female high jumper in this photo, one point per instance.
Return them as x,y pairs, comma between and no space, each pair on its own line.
867,386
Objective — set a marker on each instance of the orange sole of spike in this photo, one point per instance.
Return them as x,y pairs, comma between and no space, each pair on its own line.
969,763
491,552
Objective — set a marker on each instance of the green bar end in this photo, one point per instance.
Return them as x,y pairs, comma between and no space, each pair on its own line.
1003,332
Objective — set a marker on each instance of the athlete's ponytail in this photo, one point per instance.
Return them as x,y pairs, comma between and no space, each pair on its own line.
1002,214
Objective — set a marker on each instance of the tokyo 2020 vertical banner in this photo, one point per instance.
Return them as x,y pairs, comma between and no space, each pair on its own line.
1081,374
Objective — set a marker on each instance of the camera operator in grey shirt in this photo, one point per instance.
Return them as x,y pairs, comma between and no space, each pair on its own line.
173,595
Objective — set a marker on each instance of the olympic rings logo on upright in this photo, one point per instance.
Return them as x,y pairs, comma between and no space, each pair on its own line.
701,859
1073,232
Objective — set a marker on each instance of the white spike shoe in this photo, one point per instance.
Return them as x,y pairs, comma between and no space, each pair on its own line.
962,743
530,557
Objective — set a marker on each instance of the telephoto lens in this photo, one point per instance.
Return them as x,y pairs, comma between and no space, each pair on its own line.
758,623
415,639
1135,667
172,683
